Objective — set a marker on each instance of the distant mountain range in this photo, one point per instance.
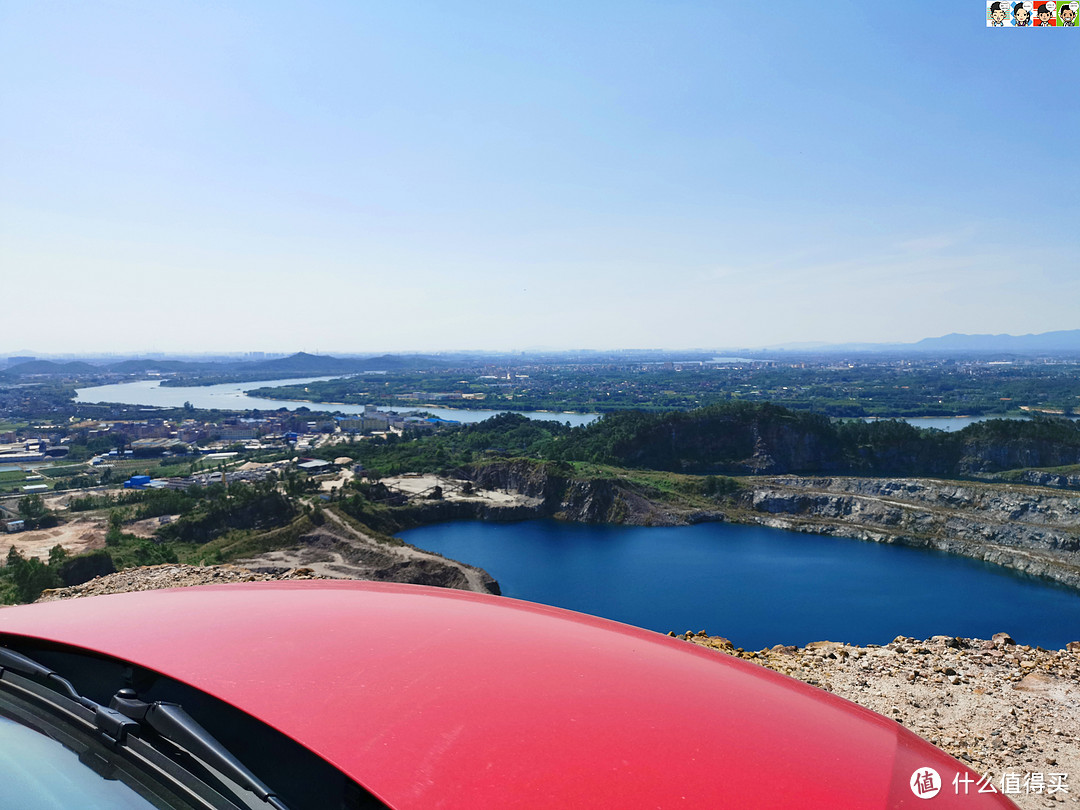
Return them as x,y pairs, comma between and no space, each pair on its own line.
302,364
1064,341
1055,343
49,367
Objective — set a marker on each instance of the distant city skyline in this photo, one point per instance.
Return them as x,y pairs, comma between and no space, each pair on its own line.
359,177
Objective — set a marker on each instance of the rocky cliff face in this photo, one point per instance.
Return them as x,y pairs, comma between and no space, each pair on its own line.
545,481
583,500
981,456
607,501
1055,480
1024,528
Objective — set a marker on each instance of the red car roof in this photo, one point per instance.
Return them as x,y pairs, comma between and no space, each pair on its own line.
434,698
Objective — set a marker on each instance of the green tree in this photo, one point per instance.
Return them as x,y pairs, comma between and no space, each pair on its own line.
120,440
116,524
32,507
29,576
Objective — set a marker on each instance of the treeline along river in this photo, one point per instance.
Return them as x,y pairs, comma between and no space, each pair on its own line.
758,586
234,396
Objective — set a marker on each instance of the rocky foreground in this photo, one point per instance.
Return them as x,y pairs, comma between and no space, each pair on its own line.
156,577
1010,711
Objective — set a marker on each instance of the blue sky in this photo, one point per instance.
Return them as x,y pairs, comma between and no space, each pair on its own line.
360,176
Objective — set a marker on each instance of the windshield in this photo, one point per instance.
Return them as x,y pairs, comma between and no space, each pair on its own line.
38,773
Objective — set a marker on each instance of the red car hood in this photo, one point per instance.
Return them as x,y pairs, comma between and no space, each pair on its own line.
434,698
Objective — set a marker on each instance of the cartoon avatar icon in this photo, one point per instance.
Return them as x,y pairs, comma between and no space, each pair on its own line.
998,14
1045,13
1067,14
1021,14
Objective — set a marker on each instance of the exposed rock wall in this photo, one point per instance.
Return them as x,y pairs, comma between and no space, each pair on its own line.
1030,530
558,495
981,455
1044,479
545,481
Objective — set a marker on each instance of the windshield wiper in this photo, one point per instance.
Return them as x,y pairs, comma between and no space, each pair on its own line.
176,725
107,720
125,715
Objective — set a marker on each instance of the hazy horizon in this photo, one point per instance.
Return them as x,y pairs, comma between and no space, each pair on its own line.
255,354
257,176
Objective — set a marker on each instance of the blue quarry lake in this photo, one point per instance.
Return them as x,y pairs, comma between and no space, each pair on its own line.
758,586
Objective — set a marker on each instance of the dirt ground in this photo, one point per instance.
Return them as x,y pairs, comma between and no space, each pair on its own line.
421,485
81,534
340,482
340,550
146,528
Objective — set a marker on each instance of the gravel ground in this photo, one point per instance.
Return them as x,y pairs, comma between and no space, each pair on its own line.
154,577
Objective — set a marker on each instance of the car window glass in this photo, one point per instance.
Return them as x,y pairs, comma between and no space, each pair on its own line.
38,773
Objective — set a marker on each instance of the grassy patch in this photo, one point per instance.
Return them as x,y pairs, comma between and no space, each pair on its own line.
173,469
65,470
132,466
241,543
363,528
700,491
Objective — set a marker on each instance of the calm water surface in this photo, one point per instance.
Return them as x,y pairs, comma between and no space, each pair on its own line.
946,423
758,586
232,396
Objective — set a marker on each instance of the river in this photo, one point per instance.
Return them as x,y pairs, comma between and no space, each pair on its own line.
232,396
758,586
